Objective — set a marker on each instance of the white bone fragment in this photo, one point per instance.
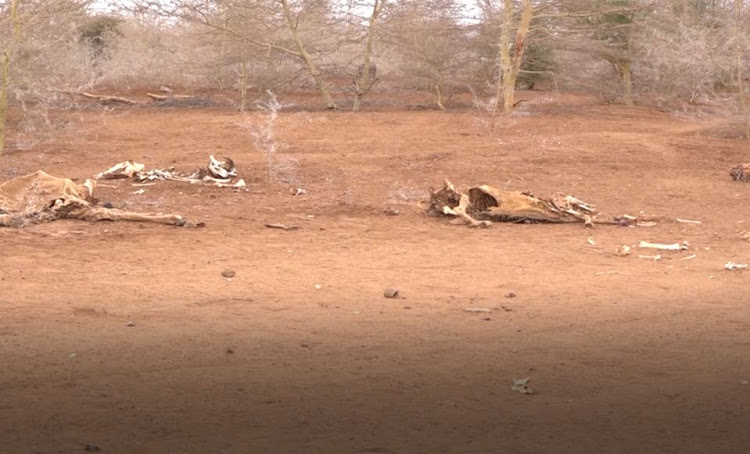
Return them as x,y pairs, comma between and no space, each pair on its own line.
664,247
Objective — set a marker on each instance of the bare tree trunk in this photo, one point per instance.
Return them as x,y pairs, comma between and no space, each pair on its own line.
626,78
243,80
439,94
512,66
509,87
361,84
312,69
5,69
504,52
740,67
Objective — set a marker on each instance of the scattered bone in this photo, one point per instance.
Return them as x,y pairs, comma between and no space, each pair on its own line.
591,241
391,211
688,221
298,191
477,310
745,235
126,169
282,226
735,266
664,247
521,385
606,273
139,192
622,251
645,224
689,257
217,173
655,258
390,293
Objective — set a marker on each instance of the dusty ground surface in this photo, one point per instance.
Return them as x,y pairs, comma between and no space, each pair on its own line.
625,354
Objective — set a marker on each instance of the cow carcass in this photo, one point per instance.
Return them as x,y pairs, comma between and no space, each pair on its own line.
40,197
479,206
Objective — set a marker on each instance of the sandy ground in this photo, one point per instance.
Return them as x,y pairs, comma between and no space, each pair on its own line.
625,355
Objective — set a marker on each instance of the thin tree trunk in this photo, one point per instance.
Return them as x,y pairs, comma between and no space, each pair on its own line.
509,86
312,69
243,81
742,94
439,94
626,78
512,65
5,69
361,84
504,53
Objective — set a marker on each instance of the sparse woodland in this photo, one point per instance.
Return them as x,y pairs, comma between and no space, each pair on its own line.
670,54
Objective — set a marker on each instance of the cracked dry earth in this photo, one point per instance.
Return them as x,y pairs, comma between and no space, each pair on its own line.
300,351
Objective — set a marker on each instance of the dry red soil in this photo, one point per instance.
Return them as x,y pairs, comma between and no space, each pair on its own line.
300,351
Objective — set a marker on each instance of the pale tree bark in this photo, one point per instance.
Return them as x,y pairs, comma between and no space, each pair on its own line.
742,94
243,80
312,68
512,63
626,79
5,68
362,83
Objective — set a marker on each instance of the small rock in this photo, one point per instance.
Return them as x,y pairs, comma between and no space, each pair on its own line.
486,319
130,323
390,293
91,448
392,212
318,286
303,345
230,350
407,307
228,273
510,295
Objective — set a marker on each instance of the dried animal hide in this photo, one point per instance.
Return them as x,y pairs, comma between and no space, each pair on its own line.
740,172
39,197
217,172
481,205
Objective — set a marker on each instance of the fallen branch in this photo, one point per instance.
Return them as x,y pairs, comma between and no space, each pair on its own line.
110,99
282,226
156,97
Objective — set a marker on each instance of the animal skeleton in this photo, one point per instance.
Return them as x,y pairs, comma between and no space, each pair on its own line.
217,172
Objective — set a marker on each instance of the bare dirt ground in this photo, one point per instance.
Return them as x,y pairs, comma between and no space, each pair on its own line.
625,355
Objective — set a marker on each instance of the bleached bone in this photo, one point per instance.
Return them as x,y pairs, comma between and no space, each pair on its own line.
664,247
126,169
735,266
